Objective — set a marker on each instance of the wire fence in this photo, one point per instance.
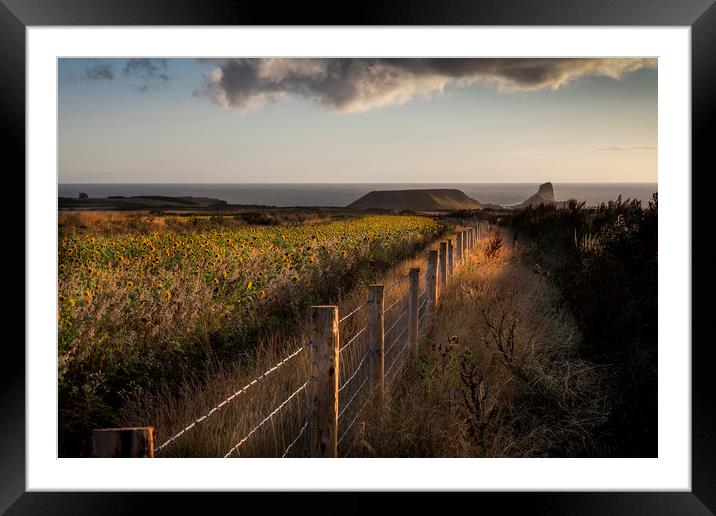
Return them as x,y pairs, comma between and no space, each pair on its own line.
282,429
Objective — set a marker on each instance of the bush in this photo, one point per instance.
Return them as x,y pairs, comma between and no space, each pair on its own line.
606,268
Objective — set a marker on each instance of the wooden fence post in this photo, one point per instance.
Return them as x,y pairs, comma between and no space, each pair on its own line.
323,384
376,342
450,257
442,266
123,442
413,308
463,254
431,280
458,247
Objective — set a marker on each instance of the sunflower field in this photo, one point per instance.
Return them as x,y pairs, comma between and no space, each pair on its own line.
139,309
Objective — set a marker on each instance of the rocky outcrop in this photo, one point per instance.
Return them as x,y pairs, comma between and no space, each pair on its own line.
544,195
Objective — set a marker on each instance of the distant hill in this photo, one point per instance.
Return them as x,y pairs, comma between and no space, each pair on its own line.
139,202
417,200
544,195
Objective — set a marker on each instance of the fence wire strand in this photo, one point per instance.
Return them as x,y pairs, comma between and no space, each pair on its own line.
395,284
267,418
396,322
228,399
401,298
353,338
360,364
362,305
300,433
345,407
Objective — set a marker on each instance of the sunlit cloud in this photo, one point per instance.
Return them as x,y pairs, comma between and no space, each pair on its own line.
355,85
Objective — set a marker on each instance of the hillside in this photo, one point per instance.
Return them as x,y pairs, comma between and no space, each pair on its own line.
428,200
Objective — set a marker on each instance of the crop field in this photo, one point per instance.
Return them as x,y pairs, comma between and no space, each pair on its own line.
135,310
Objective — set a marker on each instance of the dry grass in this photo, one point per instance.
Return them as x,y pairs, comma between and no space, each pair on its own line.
213,437
497,375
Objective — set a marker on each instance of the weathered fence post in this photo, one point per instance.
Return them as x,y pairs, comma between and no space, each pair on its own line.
123,442
376,342
413,308
442,266
323,385
431,280
458,247
464,244
450,257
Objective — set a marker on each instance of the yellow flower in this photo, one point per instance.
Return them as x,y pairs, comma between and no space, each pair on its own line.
130,284
249,285
167,295
294,278
262,294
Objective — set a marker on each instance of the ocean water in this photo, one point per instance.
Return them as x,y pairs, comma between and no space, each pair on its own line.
339,195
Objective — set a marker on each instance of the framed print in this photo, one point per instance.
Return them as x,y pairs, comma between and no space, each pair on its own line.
447,248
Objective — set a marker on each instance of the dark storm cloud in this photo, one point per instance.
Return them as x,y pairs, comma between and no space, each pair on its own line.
99,72
361,84
151,74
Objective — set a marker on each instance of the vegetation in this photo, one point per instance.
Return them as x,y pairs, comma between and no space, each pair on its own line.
602,261
499,374
146,309
607,273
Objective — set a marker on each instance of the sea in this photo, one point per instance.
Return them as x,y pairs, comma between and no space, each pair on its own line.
340,195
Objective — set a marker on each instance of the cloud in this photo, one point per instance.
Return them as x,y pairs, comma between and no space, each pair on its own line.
150,73
618,148
99,72
354,85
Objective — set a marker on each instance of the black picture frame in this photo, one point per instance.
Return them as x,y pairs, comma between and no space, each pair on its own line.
700,15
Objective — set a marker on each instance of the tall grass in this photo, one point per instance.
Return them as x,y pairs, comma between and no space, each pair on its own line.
171,411
498,374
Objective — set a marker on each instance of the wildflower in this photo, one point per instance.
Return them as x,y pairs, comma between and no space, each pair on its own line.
167,295
294,278
249,285
87,294
130,284
262,294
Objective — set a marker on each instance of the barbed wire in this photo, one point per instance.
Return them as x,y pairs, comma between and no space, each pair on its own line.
300,433
345,407
273,413
353,338
228,399
352,313
360,364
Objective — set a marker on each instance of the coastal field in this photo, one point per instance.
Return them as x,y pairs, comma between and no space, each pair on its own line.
144,306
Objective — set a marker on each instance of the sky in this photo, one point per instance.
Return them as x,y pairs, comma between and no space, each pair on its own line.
357,120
